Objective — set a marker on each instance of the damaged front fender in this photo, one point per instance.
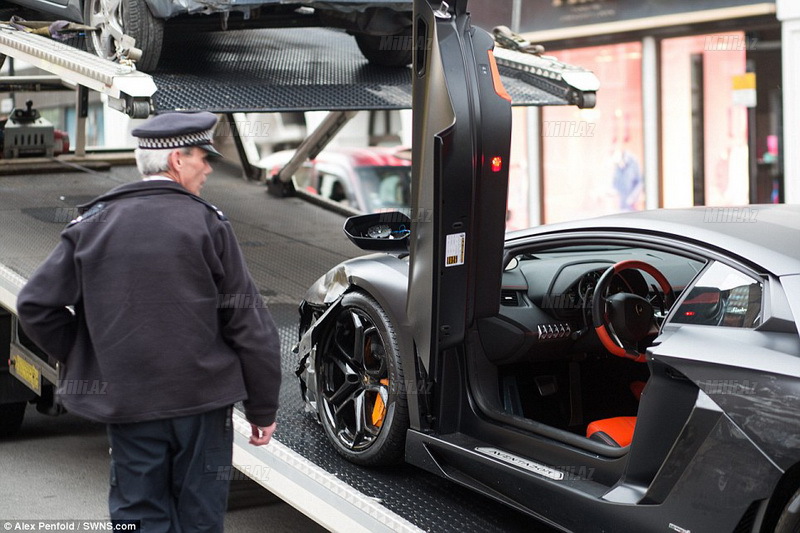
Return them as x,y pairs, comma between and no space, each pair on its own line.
382,276
329,287
307,350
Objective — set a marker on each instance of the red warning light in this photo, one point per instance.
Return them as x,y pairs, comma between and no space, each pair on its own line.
497,163
689,313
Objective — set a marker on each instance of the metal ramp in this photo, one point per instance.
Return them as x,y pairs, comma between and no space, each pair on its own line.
129,90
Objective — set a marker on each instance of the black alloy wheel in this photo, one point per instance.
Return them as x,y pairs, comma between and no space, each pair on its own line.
361,397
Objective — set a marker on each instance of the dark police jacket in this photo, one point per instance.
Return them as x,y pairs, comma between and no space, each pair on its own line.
167,320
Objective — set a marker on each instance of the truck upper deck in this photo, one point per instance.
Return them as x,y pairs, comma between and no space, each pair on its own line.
288,243
265,70
290,70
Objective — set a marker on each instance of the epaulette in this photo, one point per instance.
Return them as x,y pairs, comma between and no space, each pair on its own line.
215,209
89,213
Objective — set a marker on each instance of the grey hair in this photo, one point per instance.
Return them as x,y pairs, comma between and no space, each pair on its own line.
153,162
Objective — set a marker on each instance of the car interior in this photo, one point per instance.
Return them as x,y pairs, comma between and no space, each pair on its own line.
550,364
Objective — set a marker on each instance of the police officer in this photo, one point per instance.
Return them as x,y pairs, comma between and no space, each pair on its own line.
145,268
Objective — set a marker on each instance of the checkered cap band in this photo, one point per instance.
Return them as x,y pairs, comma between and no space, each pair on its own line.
179,141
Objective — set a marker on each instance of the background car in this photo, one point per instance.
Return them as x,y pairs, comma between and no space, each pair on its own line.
368,179
370,21
643,369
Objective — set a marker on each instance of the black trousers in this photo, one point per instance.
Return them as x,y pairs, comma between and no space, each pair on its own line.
172,475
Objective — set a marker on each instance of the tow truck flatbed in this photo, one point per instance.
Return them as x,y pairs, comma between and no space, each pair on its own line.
288,244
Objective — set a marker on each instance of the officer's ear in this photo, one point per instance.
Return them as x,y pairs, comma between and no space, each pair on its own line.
172,159
175,158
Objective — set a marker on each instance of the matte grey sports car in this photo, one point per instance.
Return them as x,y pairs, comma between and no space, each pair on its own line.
637,372
643,368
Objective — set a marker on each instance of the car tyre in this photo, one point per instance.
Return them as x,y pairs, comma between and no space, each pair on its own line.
131,17
789,520
361,398
398,53
11,416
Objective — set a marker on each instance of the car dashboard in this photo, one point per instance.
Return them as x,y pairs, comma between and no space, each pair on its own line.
546,299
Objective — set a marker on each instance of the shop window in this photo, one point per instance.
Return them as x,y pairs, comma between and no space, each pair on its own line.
593,157
518,204
704,128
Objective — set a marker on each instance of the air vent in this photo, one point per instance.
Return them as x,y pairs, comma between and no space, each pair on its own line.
549,332
509,298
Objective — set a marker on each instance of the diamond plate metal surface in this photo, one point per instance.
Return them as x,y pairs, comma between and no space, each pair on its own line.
298,69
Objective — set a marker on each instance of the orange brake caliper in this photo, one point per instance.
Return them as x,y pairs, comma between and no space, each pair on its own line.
379,409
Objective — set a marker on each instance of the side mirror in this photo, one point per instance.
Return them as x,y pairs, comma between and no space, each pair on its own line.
379,232
702,306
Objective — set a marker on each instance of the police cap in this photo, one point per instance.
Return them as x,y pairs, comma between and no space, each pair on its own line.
178,130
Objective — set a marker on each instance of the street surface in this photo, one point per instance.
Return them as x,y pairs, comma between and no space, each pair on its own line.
56,468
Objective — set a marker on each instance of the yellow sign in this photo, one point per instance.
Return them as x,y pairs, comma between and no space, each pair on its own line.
26,372
744,89
744,81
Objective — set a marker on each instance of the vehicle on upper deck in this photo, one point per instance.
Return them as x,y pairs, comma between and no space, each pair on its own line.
382,28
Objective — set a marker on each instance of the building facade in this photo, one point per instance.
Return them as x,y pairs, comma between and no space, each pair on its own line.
695,105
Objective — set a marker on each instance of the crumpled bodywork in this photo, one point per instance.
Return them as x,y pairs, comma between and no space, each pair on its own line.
383,276
329,287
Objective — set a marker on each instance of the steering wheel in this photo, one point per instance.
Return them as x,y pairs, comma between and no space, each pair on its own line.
630,316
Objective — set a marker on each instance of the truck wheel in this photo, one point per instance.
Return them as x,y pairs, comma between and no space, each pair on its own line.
129,17
11,415
789,520
361,397
387,50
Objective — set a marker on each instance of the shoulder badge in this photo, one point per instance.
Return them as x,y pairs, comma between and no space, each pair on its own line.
94,212
215,209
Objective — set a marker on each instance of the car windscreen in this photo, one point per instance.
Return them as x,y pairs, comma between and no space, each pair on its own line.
385,187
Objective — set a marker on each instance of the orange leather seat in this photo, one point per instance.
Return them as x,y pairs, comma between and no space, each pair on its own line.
617,431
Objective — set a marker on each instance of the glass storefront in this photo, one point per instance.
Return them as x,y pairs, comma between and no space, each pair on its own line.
704,127
593,157
720,133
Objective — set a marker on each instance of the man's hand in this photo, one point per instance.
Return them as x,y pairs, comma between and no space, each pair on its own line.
261,436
